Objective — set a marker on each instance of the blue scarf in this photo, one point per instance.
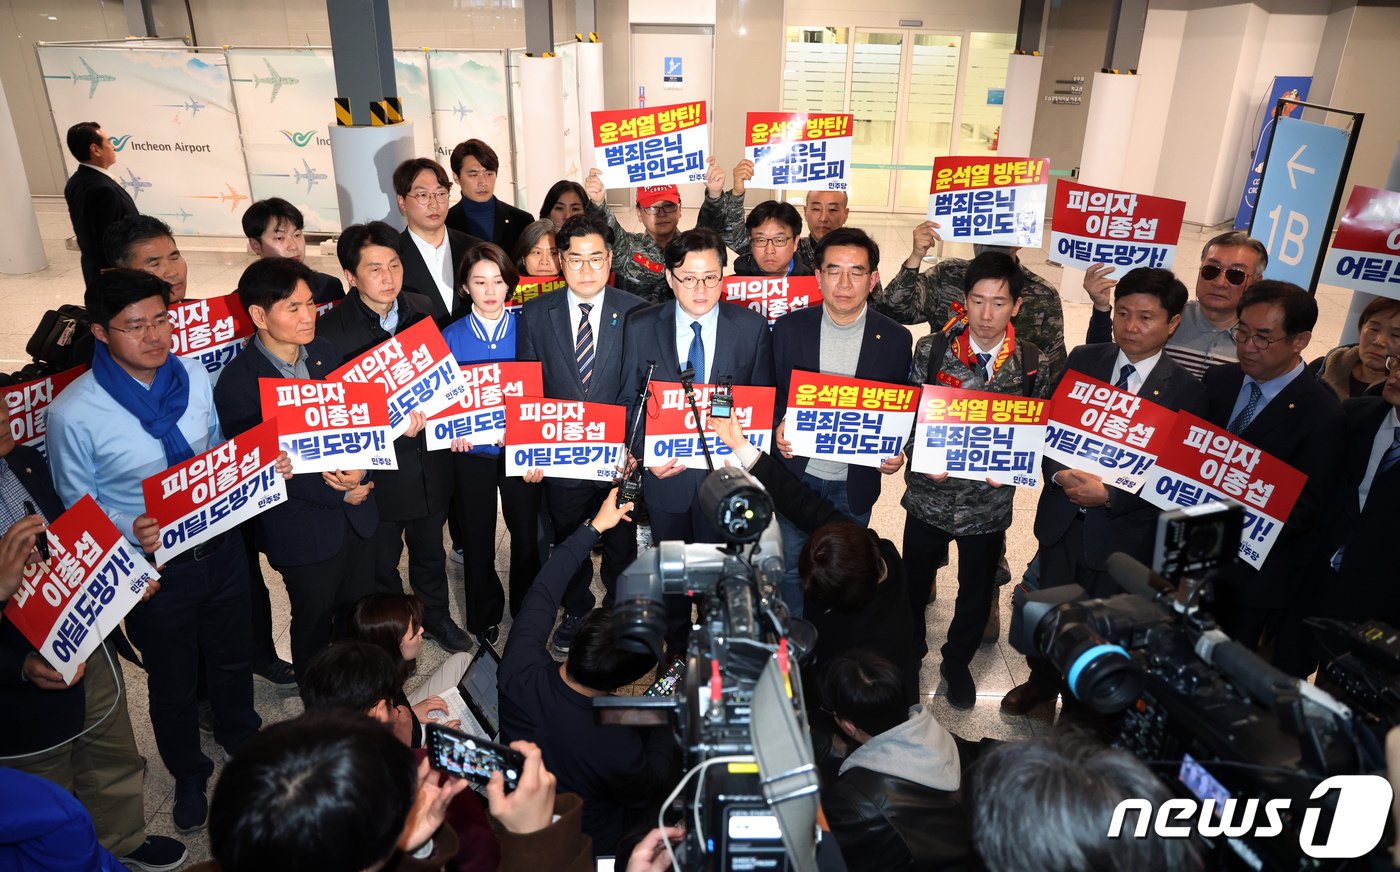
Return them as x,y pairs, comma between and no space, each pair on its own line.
158,408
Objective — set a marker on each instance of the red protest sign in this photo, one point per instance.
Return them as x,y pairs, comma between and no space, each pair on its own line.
211,330
28,405
849,420
978,435
629,125
773,296
670,422
530,287
414,369
762,128
1113,434
1365,254
989,200
973,173
1203,463
326,426
564,438
480,415
1101,225
216,491
67,605
655,146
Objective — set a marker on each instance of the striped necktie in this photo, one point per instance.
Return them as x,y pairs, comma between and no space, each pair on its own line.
1247,413
583,348
982,359
1391,455
1127,370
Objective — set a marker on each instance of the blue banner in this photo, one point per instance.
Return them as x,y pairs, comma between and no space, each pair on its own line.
1294,88
1306,164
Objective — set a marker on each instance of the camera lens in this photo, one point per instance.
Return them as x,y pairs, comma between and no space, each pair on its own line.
1203,542
639,625
1099,673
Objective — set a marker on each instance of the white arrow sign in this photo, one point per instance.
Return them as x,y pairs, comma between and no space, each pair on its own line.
1294,165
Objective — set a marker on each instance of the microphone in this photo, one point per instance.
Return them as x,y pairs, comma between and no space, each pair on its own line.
1135,577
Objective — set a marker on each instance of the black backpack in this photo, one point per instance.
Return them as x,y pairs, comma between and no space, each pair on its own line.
1030,361
63,339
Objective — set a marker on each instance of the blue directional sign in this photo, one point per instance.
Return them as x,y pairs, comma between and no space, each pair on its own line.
1307,162
671,74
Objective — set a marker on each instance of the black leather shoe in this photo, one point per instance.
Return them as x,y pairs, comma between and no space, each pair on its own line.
962,690
276,671
1022,698
446,633
191,809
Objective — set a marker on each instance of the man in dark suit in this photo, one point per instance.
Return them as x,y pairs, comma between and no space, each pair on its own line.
577,337
1363,586
274,229
1269,401
322,538
716,343
46,716
1080,520
430,251
845,337
479,213
95,198
413,498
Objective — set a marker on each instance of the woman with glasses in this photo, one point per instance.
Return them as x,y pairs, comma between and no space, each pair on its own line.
1350,370
488,335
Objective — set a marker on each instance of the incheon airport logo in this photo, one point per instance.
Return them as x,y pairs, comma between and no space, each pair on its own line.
119,142
299,139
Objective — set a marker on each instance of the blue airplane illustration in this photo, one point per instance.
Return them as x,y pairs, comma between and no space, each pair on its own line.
181,215
311,177
135,183
461,111
93,77
274,79
191,105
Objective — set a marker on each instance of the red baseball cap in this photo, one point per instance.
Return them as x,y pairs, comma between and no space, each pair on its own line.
648,197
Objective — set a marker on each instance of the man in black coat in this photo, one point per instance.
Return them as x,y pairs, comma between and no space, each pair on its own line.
430,251
274,229
321,539
1269,401
480,213
413,498
95,198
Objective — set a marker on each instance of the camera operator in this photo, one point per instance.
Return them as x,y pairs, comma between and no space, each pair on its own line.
1045,806
895,804
622,773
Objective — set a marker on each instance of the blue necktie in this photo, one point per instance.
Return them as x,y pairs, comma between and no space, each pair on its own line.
695,359
982,358
583,348
1127,370
1391,455
1247,413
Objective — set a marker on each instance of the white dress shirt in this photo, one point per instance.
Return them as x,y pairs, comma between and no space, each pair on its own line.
439,261
1385,437
1141,370
595,317
709,331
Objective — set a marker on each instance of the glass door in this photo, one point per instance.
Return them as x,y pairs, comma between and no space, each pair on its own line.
876,72
929,114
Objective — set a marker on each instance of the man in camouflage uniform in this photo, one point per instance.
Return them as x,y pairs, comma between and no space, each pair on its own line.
638,258
911,297
984,353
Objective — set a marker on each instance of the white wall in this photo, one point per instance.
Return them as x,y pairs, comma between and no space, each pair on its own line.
992,15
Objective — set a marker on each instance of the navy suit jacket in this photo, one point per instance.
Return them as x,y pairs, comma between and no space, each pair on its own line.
509,224
416,276
309,527
1129,523
1365,586
886,349
95,202
49,716
1305,428
743,354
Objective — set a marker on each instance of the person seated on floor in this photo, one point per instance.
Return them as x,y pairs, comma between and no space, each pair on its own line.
1351,370
334,791
393,622
896,803
621,772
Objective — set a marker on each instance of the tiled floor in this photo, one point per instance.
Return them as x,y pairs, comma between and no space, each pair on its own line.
214,269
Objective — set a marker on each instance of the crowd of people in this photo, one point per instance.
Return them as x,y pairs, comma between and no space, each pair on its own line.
346,785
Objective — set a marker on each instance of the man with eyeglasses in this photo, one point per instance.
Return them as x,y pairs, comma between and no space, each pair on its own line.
1269,401
774,230
577,337
138,411
639,257
1230,263
840,337
715,343
430,250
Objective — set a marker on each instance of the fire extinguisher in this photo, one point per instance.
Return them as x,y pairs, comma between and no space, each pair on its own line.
996,138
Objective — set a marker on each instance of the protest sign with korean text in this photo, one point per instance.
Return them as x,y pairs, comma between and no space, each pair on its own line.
670,423
1365,253
67,605
211,331
212,493
480,415
658,145
979,435
1099,429
414,370
1203,463
565,438
989,200
1099,225
773,296
530,287
850,420
28,406
326,426
798,152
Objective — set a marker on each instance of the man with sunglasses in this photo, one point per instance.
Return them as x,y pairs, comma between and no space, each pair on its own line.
639,257
1230,263
1269,401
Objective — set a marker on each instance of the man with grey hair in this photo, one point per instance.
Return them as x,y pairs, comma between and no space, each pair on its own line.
1230,263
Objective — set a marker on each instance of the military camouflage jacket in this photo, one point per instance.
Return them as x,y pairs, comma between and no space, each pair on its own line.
960,506
913,297
638,261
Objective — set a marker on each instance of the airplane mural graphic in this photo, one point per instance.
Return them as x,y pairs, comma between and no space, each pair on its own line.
181,216
311,177
192,106
134,183
275,79
92,77
461,111
232,197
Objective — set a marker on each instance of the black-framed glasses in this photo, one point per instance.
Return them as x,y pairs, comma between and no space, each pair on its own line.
1234,275
769,242
689,282
662,209
1241,336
